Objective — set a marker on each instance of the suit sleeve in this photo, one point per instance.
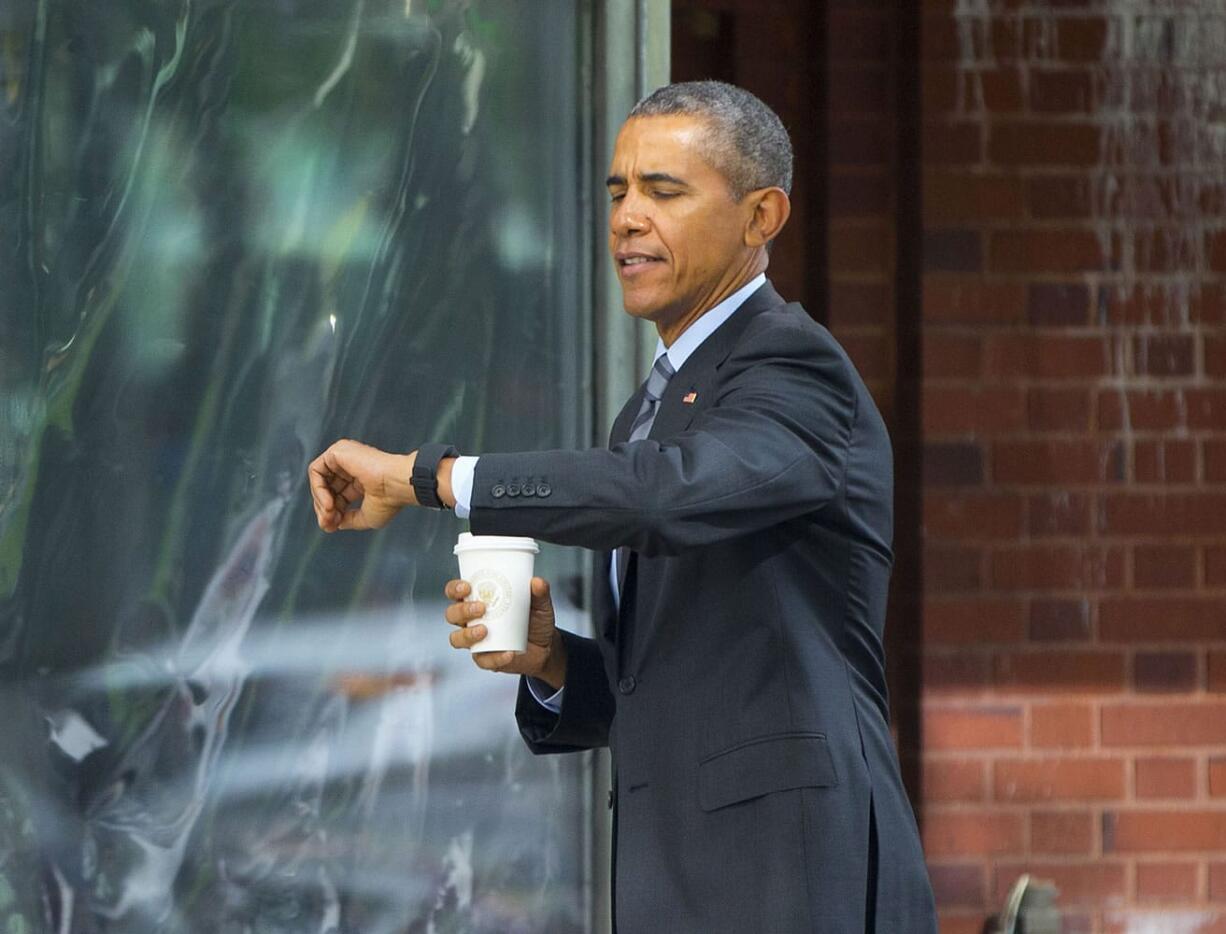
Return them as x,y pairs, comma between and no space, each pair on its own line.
771,447
587,705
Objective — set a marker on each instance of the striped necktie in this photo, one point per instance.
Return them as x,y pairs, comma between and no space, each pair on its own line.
657,380
653,391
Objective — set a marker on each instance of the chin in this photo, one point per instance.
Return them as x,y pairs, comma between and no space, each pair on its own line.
643,308
643,314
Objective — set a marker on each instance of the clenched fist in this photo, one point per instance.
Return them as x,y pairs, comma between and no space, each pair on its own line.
355,486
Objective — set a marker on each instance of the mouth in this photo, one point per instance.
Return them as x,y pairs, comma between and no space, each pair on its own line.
632,264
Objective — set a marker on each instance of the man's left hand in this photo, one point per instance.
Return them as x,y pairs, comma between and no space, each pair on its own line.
355,486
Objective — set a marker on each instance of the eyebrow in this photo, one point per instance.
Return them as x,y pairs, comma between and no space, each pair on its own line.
648,177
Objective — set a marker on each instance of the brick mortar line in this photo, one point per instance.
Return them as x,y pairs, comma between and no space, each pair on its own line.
1003,706
1128,806
985,167
987,328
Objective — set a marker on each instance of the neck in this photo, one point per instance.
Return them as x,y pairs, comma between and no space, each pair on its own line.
673,328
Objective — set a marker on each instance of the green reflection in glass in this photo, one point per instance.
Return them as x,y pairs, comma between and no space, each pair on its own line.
233,233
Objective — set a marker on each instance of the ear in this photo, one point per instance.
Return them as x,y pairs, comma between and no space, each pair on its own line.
771,210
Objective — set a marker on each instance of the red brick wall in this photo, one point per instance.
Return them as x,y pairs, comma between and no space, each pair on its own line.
872,286
837,253
862,153
1074,427
1016,215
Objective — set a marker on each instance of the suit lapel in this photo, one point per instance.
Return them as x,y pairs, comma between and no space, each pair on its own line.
697,376
620,432
696,380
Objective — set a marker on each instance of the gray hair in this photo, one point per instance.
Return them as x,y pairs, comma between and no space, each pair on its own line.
746,140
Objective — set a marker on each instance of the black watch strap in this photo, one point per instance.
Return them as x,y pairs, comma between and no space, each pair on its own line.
425,473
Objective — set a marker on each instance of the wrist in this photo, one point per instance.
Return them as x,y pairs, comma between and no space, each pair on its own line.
553,671
398,482
445,492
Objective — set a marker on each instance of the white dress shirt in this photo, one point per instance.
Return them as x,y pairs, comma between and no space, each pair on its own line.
464,469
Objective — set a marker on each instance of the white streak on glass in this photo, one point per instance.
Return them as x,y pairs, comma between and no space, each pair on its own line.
1168,921
73,734
208,674
474,59
346,59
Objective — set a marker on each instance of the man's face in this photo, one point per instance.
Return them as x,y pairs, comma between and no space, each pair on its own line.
675,232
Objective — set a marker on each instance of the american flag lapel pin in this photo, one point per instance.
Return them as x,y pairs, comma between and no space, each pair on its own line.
690,398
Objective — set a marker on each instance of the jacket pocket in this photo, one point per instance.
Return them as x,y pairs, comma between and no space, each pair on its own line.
760,766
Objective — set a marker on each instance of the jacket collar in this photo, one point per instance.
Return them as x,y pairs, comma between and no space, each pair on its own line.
696,377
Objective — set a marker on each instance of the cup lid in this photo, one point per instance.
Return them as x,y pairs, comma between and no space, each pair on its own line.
470,542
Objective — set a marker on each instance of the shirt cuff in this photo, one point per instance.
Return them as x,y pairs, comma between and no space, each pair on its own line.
540,693
462,484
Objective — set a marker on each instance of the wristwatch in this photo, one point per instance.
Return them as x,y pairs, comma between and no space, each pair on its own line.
425,474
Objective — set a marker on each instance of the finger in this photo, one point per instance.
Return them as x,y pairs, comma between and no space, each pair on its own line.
493,661
326,516
540,589
456,589
354,520
317,473
459,614
466,638
347,489
330,494
332,462
332,519
321,493
347,492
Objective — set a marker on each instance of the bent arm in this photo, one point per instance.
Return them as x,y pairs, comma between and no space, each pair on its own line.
772,446
587,705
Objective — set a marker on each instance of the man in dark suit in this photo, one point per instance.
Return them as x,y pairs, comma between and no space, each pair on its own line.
742,520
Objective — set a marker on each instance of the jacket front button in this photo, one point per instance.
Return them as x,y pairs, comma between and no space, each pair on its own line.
498,491
627,684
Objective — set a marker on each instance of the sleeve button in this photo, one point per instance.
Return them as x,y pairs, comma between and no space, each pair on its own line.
529,489
498,491
543,489
513,489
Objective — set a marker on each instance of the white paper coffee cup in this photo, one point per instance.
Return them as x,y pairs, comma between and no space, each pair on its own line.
498,569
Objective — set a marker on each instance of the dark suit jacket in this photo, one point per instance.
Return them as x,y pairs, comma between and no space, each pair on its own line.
742,688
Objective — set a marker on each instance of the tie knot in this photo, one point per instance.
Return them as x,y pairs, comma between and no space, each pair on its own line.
660,374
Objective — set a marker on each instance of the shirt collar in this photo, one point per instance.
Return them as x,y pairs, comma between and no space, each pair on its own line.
693,336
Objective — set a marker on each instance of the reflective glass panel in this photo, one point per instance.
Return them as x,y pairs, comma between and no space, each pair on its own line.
231,233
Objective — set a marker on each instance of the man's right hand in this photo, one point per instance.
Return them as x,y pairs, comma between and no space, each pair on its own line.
546,655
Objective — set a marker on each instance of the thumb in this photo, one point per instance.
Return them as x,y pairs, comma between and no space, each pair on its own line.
540,590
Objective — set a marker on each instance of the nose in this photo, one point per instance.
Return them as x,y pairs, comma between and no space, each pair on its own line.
628,217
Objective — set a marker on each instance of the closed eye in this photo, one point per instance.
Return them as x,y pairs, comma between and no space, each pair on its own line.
614,197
